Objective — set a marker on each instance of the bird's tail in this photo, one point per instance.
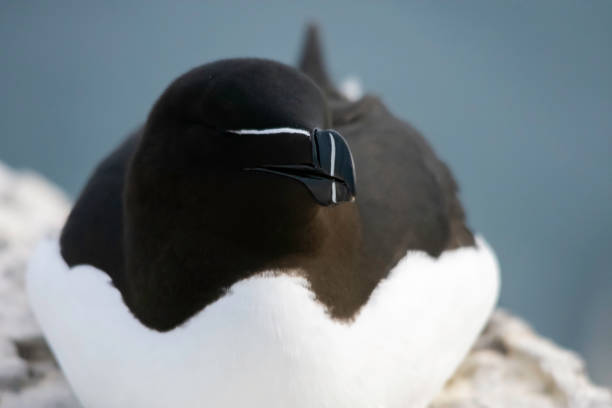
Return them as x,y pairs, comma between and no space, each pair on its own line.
312,62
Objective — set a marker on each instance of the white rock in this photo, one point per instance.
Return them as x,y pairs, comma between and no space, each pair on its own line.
510,366
30,207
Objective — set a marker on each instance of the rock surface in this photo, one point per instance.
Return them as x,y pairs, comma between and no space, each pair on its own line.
30,208
510,365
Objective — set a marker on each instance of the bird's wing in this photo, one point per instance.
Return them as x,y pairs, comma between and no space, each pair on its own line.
93,233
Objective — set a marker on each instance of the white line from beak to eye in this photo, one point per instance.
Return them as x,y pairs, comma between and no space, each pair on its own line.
272,131
333,159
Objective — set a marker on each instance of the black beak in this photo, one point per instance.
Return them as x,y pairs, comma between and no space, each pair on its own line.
331,176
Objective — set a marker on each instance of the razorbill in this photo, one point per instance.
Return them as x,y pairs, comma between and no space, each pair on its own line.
264,241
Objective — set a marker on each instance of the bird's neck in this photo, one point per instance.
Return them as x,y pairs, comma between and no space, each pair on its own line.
184,251
187,243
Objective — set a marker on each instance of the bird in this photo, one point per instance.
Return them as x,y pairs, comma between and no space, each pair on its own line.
264,240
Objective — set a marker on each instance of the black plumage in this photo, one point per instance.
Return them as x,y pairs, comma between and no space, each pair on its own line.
174,220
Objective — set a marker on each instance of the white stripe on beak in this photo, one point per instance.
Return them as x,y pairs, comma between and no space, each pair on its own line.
333,159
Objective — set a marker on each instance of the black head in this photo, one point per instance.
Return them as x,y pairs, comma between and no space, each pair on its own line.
252,116
230,176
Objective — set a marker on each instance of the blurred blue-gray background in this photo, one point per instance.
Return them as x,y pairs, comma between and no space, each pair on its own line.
516,96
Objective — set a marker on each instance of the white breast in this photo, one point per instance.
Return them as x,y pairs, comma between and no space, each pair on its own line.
268,343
